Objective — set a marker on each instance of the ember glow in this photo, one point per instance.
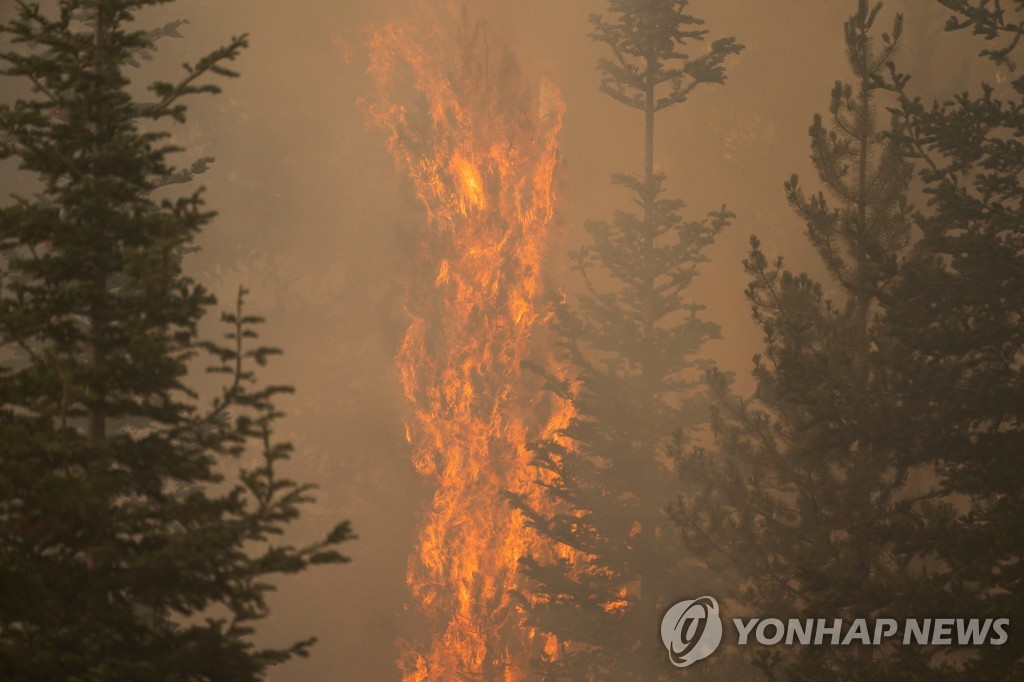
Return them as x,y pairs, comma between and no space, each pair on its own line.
478,138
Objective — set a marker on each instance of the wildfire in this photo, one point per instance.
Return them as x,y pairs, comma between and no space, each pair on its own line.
478,140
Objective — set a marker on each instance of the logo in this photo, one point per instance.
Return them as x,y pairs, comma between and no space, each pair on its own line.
691,630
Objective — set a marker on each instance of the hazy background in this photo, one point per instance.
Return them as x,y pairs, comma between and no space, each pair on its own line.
315,220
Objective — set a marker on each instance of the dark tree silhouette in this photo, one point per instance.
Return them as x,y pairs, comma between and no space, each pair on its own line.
809,497
629,345
957,311
137,528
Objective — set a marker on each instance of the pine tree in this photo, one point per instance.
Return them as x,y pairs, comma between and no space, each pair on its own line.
957,312
628,344
136,526
809,497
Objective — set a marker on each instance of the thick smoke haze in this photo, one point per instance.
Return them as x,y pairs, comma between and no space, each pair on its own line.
317,222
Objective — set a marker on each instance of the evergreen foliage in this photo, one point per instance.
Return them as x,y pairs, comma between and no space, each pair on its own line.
809,497
137,527
957,313
629,345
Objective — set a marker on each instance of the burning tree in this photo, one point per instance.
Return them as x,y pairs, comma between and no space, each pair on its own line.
478,140
629,353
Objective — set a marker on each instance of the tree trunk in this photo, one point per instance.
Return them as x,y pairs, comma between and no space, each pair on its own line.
97,314
650,646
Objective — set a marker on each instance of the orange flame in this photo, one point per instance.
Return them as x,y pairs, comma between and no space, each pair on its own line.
479,142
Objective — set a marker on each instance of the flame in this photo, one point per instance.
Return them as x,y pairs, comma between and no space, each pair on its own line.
479,142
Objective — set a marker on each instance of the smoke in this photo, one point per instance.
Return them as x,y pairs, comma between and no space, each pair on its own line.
316,221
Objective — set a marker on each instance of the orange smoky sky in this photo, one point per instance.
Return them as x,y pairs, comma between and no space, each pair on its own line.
317,221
